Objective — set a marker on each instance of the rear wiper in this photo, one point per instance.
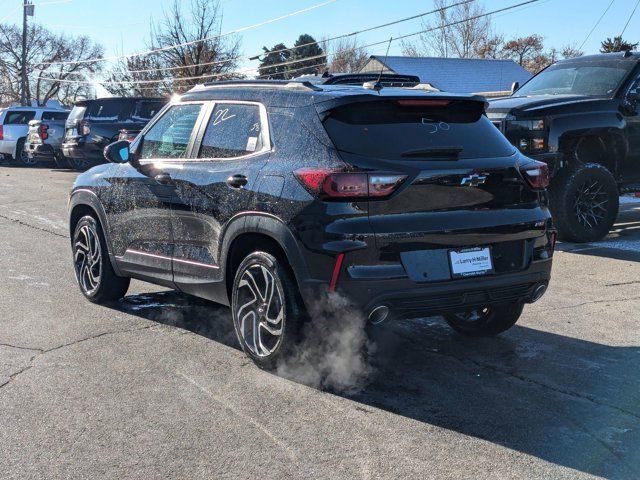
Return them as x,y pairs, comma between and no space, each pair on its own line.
451,153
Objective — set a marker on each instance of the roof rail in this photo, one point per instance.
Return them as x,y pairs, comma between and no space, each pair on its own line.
263,83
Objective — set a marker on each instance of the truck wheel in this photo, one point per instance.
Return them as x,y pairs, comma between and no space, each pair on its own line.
21,158
80,164
486,321
584,202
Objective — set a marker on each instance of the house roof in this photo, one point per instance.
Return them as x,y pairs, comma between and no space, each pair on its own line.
458,75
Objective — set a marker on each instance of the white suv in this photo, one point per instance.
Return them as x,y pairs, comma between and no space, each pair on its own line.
14,128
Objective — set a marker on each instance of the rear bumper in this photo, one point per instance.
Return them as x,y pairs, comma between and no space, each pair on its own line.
40,151
408,299
83,151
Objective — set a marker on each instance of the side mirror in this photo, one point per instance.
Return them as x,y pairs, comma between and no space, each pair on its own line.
117,152
514,86
634,95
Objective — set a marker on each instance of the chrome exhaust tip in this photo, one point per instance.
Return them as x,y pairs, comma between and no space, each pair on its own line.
538,292
378,315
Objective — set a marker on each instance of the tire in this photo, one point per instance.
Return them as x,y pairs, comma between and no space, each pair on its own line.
265,299
22,159
79,164
61,161
97,281
584,201
485,322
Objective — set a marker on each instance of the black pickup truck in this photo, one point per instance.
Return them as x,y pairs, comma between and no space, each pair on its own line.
94,124
581,117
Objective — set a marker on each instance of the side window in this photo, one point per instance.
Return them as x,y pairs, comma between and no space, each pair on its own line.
55,115
234,130
170,135
20,117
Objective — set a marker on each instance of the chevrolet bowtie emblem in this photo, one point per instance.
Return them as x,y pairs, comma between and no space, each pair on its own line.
473,180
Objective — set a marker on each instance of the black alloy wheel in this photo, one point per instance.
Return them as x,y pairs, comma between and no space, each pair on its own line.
266,308
94,272
584,203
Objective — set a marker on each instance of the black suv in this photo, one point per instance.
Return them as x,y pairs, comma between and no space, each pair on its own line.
265,196
582,118
94,124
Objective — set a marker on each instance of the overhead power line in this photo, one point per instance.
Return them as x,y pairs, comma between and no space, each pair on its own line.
192,42
596,25
346,35
225,74
630,17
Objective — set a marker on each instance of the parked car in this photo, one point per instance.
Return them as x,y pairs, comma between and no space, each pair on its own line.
94,124
266,196
44,140
581,117
14,128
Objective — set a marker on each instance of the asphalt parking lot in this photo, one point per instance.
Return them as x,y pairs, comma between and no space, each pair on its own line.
155,386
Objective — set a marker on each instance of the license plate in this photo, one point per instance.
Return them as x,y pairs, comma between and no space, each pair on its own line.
470,262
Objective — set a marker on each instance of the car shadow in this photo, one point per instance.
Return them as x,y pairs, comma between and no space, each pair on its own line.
172,308
564,400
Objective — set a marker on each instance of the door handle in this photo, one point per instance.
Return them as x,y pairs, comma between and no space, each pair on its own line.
237,181
163,178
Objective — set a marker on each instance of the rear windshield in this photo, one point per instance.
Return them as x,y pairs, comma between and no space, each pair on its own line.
55,115
414,128
109,110
146,109
20,117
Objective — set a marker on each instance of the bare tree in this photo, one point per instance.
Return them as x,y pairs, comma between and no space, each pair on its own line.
127,78
47,79
523,50
215,58
458,31
346,55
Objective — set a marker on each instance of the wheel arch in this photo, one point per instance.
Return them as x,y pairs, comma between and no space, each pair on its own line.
85,202
598,140
259,231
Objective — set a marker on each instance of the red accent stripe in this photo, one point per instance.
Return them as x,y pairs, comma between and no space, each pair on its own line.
336,272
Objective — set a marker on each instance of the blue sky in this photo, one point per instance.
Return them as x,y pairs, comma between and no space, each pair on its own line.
122,26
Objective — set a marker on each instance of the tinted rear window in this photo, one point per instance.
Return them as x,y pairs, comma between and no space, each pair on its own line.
146,110
55,115
20,117
109,110
394,129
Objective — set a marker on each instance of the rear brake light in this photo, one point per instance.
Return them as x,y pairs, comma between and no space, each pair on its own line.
42,131
125,135
536,174
424,103
1,133
329,184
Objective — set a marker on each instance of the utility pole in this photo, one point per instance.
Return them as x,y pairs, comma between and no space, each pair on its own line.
27,10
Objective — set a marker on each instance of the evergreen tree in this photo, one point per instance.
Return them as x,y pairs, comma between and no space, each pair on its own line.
277,55
308,48
616,45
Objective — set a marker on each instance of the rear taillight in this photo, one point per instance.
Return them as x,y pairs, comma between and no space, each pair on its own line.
42,131
128,136
1,133
329,184
84,128
536,174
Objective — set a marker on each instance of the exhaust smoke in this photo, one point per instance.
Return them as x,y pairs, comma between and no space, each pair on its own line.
333,352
